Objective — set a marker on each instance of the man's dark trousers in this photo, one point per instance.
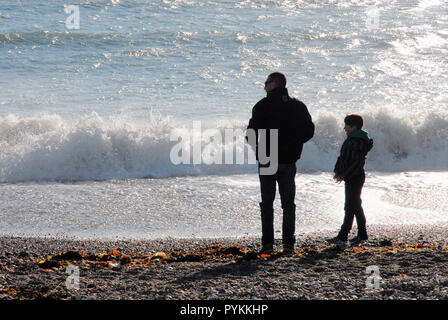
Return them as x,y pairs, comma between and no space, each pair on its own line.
287,188
353,207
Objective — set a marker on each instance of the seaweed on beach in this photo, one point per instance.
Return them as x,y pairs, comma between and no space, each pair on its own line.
216,252
49,273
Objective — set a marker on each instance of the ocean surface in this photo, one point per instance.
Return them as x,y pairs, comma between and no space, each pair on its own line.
93,92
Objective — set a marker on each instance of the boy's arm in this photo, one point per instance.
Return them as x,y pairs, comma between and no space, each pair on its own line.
336,167
355,158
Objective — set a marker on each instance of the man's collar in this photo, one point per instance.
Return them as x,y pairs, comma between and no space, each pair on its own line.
279,91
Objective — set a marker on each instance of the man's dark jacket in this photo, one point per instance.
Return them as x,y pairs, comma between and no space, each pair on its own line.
292,119
353,154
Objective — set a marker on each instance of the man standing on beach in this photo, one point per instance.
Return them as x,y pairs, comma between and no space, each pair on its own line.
290,119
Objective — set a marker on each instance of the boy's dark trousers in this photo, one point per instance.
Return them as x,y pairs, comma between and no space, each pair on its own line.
353,207
287,188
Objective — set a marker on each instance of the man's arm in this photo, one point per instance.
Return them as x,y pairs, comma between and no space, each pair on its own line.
306,126
255,123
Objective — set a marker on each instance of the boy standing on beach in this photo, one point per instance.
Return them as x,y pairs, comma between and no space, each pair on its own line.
350,168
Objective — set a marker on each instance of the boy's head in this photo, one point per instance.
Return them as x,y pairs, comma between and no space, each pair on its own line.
353,122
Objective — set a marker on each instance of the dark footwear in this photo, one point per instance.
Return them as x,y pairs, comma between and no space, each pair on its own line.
337,240
359,239
267,249
363,237
288,249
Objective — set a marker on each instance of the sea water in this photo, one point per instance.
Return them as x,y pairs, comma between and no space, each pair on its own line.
92,91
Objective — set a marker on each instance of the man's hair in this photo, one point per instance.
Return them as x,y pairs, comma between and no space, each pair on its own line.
354,120
278,77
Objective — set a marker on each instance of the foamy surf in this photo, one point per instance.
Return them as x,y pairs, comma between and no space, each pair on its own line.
49,148
210,206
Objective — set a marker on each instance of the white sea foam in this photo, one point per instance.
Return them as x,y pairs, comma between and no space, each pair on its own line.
224,206
50,148
424,4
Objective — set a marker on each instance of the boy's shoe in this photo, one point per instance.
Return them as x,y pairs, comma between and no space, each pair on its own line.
288,249
267,249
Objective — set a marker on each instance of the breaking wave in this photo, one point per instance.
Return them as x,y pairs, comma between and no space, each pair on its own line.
49,148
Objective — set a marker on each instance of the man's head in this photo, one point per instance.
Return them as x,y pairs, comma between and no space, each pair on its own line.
353,122
274,80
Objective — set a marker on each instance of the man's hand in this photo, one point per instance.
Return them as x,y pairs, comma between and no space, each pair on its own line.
337,179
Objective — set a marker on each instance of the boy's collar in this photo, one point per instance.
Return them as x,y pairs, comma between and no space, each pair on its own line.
360,133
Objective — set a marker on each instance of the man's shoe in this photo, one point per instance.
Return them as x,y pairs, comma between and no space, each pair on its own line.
288,249
337,240
359,239
267,249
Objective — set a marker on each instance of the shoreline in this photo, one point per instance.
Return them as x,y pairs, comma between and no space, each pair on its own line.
411,262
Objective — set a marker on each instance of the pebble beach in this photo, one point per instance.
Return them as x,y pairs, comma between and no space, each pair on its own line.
397,262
